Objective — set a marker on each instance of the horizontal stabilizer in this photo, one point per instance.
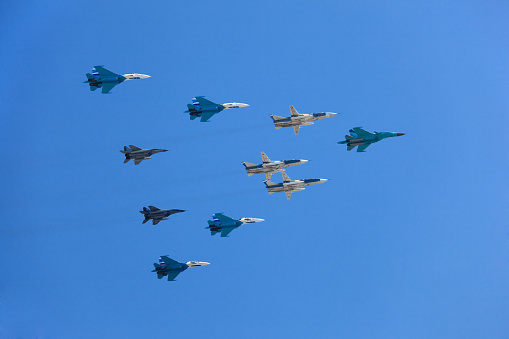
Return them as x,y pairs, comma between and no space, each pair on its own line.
193,116
191,107
160,276
248,164
93,88
349,148
277,118
269,183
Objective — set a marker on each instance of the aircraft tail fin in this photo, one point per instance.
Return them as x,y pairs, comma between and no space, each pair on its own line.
90,76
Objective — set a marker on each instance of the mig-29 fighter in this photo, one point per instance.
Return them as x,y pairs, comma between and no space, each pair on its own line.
171,268
157,214
101,77
138,154
225,225
205,109
297,120
268,167
288,186
362,138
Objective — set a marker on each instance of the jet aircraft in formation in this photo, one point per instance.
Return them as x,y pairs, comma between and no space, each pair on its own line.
205,109
289,186
225,225
297,120
268,167
171,268
157,214
102,78
138,154
362,138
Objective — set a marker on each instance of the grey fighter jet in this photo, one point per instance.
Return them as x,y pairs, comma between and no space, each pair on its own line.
297,120
102,78
268,167
138,154
288,186
157,214
171,268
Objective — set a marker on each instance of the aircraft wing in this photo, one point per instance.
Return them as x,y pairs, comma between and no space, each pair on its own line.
154,209
225,231
293,111
265,158
104,72
288,194
223,219
156,221
296,129
172,275
205,102
107,87
168,261
206,116
134,148
362,147
361,133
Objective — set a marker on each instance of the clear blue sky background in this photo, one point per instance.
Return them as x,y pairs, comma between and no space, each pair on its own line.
407,240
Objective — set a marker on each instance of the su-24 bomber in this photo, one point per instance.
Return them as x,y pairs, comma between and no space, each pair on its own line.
289,186
138,154
268,166
157,214
297,120
222,223
102,78
362,138
205,109
170,268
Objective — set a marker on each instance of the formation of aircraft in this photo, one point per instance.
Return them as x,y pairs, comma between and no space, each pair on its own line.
268,166
289,186
138,154
362,138
205,109
157,214
170,268
297,120
222,223
102,78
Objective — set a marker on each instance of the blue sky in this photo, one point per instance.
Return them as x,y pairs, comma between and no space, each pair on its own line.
407,240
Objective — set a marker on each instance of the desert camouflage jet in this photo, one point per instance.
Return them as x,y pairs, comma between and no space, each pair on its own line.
297,120
157,214
171,268
289,186
102,78
268,167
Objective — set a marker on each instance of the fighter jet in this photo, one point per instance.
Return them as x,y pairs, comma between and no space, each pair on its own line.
297,120
102,78
138,154
363,139
288,186
268,167
157,214
225,224
205,109
171,268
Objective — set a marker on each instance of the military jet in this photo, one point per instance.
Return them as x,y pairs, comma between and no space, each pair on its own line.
138,154
157,214
362,138
268,167
297,120
225,225
171,268
288,186
102,78
205,109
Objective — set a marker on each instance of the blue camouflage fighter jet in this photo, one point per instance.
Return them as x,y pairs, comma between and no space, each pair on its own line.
170,268
102,78
363,138
205,109
225,225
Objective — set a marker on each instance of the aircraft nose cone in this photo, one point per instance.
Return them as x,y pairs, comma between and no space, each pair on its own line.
163,150
203,263
323,180
400,134
304,161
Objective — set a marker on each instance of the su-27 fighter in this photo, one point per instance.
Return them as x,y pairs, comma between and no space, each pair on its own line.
289,186
205,109
157,214
225,225
297,120
138,154
268,167
362,138
102,78
170,268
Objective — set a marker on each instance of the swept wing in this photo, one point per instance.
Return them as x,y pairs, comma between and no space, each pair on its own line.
296,129
156,221
104,72
225,231
154,209
134,148
169,261
205,102
361,132
137,161
224,219
265,158
206,116
172,275
293,111
108,86
362,147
